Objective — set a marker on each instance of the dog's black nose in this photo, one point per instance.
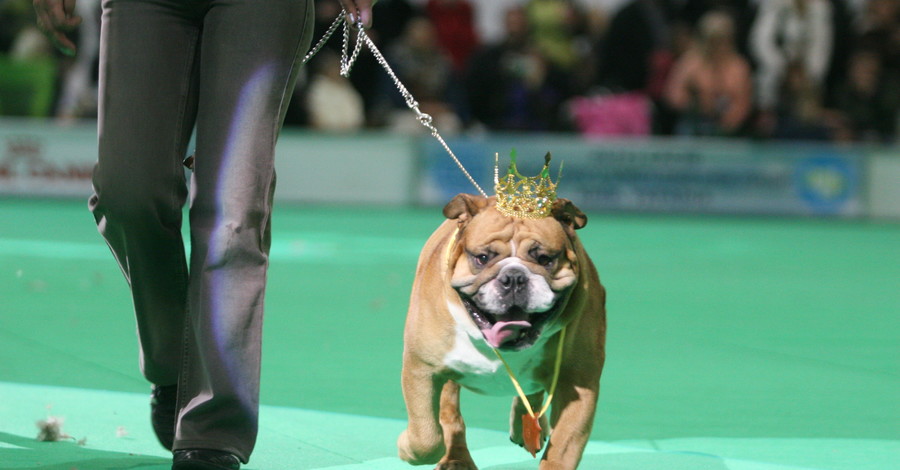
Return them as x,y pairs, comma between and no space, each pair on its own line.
513,278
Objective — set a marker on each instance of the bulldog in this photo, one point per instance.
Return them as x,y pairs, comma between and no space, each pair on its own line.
491,288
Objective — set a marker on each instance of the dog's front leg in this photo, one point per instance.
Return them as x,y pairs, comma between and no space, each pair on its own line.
571,420
422,442
458,456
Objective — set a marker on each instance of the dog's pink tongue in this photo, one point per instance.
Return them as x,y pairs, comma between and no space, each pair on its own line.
502,330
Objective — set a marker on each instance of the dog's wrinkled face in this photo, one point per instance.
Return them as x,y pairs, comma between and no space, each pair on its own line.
514,276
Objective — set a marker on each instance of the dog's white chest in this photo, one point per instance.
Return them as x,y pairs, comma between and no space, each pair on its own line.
480,368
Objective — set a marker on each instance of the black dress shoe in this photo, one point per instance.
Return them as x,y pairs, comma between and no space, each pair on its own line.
204,459
162,413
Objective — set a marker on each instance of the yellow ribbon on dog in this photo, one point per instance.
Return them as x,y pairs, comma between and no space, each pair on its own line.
531,428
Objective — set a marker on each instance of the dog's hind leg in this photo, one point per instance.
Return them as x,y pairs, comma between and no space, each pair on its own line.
457,456
515,419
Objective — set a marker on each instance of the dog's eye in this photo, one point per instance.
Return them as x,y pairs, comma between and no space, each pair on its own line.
481,259
545,260
541,257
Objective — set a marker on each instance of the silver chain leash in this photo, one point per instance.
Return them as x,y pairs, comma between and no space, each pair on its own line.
347,61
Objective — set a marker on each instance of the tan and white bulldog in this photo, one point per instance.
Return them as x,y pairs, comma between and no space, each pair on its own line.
486,282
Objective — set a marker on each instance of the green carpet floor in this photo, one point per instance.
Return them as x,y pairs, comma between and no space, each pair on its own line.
734,343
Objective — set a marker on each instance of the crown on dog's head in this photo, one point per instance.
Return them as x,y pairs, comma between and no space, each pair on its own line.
525,197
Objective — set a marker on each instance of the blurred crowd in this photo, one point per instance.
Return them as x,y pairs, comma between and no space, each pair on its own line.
772,69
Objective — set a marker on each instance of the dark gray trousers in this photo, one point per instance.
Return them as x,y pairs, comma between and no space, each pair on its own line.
227,67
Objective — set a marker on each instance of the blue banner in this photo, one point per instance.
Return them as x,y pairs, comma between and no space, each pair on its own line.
682,176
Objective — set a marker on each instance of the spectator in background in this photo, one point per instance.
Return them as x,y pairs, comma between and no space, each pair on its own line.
15,15
78,94
880,33
635,46
27,43
691,11
489,19
842,46
427,73
332,104
454,23
799,113
512,86
28,63
593,24
711,86
390,20
552,30
791,42
20,39
867,102
637,55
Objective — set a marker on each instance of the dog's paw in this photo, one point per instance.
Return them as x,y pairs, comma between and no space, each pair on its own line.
419,453
515,436
545,465
521,443
456,465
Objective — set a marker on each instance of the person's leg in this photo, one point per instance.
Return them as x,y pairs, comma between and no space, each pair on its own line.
249,58
147,105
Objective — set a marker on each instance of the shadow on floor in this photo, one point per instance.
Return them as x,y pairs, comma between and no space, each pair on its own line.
635,461
26,452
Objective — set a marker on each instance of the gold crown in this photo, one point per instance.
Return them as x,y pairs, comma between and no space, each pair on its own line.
524,197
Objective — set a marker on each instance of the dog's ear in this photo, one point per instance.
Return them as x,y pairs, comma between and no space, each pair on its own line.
464,206
569,215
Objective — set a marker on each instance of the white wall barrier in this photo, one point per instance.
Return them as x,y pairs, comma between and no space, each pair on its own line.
41,159
366,168
883,184
38,158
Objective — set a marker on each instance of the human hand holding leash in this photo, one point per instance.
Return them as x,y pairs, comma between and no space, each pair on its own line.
56,18
359,10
